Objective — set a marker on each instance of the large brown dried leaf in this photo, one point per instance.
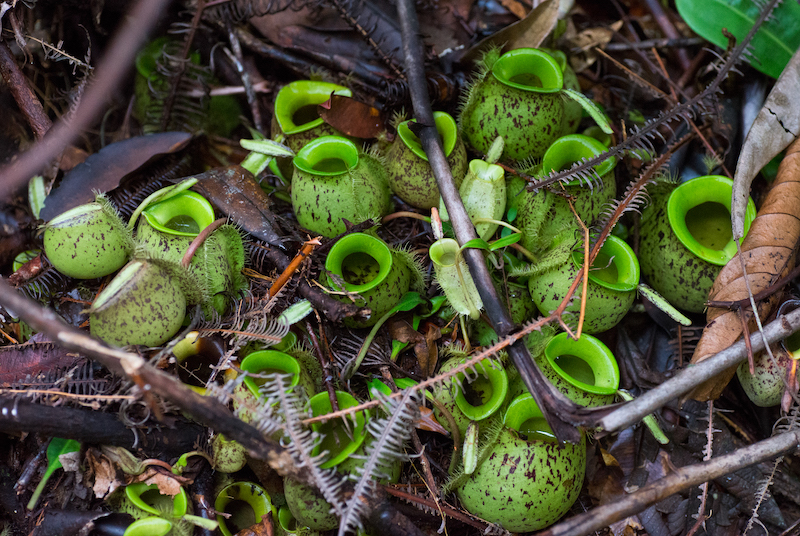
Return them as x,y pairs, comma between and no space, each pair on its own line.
236,193
104,170
351,117
768,251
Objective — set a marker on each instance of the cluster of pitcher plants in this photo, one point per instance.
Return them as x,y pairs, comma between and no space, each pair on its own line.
525,108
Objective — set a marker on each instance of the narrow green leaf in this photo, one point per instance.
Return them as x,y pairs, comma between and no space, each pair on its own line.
591,108
476,243
267,147
36,194
296,312
505,241
470,452
659,301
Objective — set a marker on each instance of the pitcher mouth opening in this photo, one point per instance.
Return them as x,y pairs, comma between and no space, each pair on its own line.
294,100
571,149
586,363
445,125
699,214
361,260
527,420
484,395
529,69
615,267
327,156
185,214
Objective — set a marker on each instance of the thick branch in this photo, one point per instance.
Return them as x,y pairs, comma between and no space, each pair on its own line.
681,479
94,427
28,104
557,409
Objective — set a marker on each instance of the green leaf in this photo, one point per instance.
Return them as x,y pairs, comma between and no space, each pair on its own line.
36,194
505,241
296,312
659,301
477,243
56,448
773,44
511,215
470,451
267,147
591,108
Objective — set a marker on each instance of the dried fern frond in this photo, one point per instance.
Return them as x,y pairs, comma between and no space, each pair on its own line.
264,329
388,438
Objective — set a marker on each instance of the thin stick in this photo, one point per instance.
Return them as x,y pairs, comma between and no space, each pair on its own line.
405,214
325,363
587,263
694,375
287,274
448,511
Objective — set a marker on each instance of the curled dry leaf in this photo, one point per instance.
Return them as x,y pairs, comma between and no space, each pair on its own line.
768,251
775,127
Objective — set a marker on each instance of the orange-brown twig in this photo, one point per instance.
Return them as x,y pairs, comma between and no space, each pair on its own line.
302,255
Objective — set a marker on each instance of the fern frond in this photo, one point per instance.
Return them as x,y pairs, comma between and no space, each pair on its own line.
389,436
302,440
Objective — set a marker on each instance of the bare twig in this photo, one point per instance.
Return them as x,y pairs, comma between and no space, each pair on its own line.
694,375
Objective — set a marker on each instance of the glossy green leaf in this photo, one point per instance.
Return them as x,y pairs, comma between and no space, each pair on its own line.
591,108
505,241
477,243
772,46
56,448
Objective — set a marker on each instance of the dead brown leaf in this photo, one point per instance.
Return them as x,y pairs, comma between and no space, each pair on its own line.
104,472
236,193
167,484
768,251
351,117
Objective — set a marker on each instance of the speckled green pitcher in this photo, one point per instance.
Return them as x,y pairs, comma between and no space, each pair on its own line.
686,238
333,181
410,175
542,214
166,230
529,480
369,268
517,98
613,279
296,116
